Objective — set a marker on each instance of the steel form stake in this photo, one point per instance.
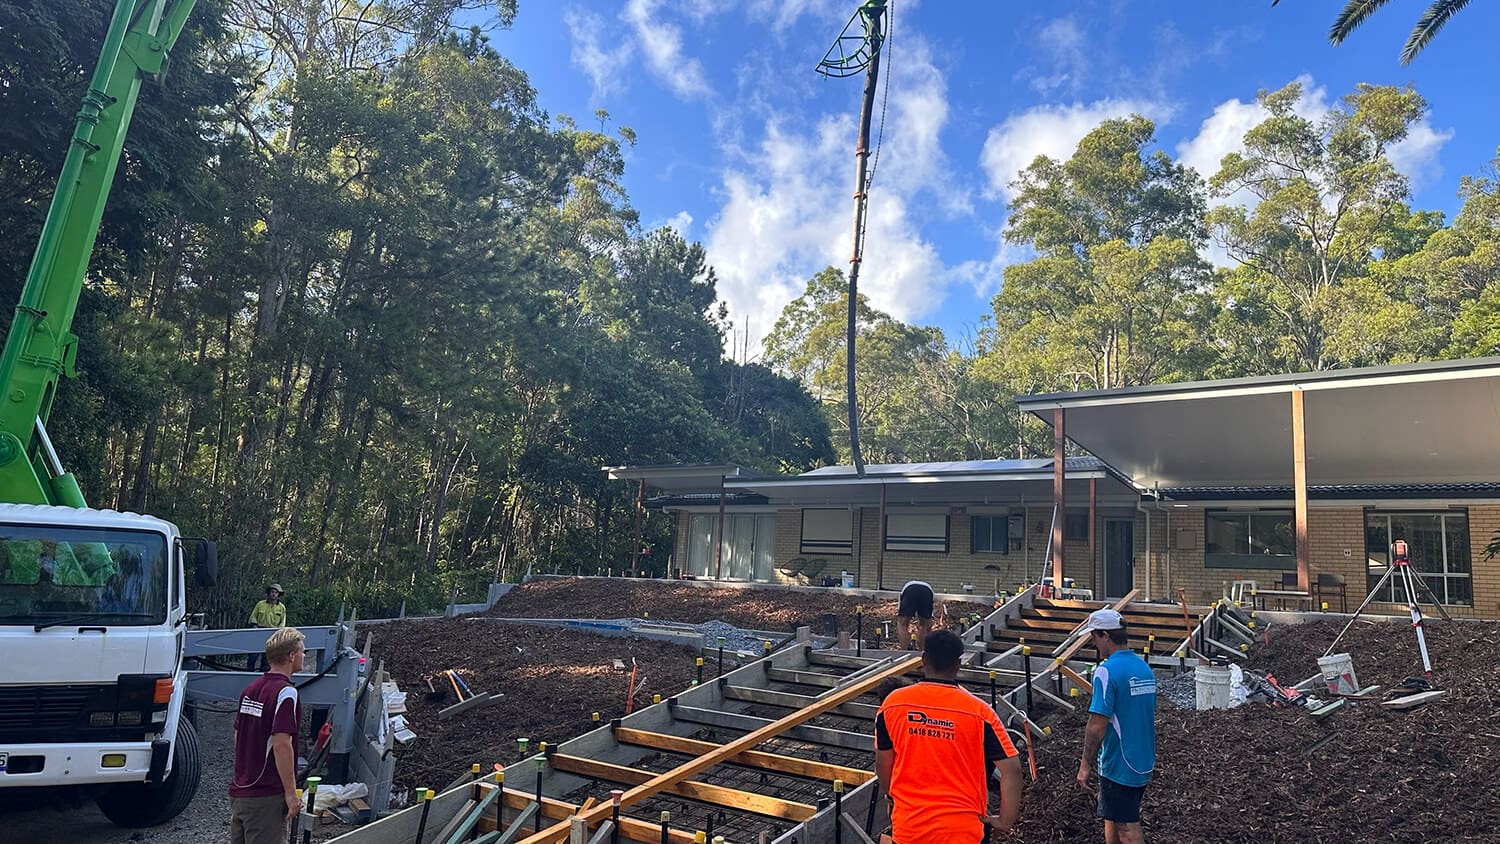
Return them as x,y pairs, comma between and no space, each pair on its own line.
425,796
308,807
838,812
993,696
614,799
699,664
540,761
859,631
721,657
1026,661
666,832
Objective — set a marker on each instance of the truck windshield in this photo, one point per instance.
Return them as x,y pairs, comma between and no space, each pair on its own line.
110,576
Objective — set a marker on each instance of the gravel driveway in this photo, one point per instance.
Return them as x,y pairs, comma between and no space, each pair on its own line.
206,820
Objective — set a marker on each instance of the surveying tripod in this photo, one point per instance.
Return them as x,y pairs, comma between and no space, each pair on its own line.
1412,584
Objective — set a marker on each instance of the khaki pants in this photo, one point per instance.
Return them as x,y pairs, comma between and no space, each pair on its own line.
257,820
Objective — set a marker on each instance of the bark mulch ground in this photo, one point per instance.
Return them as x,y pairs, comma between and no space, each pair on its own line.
1262,774
757,608
552,679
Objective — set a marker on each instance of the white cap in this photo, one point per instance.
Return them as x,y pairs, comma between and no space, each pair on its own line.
1104,620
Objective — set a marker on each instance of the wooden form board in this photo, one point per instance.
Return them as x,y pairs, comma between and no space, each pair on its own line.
1067,654
656,784
559,810
731,798
750,758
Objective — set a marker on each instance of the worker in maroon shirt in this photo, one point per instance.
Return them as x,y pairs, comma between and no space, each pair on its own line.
263,794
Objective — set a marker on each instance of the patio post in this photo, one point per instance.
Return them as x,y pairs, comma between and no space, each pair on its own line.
1059,456
1299,490
635,549
719,548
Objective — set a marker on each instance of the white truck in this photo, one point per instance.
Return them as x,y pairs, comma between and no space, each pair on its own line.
93,618
92,602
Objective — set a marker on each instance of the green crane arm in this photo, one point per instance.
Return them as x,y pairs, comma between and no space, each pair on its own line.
41,346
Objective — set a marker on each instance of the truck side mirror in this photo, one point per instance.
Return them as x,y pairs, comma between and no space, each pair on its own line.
206,563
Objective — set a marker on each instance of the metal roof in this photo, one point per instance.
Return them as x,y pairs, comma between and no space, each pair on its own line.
1372,492
1427,423
681,477
700,499
963,481
1041,465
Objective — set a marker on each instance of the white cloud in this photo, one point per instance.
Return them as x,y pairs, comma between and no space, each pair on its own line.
1063,40
1224,131
1051,130
787,211
1416,156
681,222
604,65
661,43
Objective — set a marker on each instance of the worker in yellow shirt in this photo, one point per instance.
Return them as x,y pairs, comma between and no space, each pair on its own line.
271,612
268,613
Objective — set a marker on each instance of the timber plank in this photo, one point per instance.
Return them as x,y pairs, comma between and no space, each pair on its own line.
718,795
750,758
832,700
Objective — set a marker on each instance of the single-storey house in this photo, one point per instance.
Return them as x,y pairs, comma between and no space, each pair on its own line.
1297,482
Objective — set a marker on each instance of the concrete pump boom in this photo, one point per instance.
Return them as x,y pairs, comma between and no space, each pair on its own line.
41,345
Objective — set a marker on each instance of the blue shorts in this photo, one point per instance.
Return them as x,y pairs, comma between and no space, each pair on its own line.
1120,803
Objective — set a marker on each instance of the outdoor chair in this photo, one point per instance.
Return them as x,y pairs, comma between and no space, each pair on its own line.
1328,585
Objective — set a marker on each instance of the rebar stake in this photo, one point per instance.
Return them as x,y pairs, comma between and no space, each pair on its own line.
700,671
666,830
721,657
1026,661
540,761
614,799
425,796
838,811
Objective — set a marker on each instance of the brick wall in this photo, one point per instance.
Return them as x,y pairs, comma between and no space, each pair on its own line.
1331,531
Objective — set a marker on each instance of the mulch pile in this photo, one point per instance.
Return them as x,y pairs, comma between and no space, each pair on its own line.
768,608
552,679
1363,773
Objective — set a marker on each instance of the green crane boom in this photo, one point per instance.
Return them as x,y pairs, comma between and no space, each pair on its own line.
41,346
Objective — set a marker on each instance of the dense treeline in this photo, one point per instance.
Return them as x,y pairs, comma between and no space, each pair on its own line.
364,313
1321,263
367,315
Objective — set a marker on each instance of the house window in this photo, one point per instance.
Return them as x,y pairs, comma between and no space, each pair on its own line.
827,532
748,549
1076,526
1260,539
989,535
919,532
1439,547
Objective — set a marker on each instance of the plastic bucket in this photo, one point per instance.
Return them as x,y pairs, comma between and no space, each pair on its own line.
1338,674
1213,686
848,580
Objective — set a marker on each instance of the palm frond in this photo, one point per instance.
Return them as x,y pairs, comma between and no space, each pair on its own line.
1428,25
1355,13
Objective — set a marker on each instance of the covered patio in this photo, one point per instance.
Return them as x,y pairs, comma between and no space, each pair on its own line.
1405,428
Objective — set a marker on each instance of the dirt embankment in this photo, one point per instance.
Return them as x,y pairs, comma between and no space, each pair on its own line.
552,681
757,608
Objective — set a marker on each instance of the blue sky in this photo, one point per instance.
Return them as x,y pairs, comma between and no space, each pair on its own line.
743,147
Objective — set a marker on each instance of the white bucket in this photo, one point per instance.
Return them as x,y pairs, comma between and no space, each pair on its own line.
1338,674
848,580
1213,686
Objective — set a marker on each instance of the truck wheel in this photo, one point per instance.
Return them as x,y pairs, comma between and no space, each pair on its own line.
149,804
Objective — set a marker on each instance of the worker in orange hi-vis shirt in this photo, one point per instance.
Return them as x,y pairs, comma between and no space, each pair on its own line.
935,746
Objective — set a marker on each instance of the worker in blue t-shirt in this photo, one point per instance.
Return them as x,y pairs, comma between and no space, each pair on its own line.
1121,733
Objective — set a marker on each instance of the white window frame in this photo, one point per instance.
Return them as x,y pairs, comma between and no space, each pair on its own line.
917,533
827,531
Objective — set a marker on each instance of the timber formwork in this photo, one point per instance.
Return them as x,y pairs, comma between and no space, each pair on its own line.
753,756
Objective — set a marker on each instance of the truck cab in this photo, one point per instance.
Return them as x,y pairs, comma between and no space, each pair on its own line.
93,616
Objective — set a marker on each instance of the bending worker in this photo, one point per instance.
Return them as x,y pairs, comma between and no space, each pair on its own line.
935,748
916,603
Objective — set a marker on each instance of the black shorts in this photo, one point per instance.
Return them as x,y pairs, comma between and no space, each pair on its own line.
916,600
1120,803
